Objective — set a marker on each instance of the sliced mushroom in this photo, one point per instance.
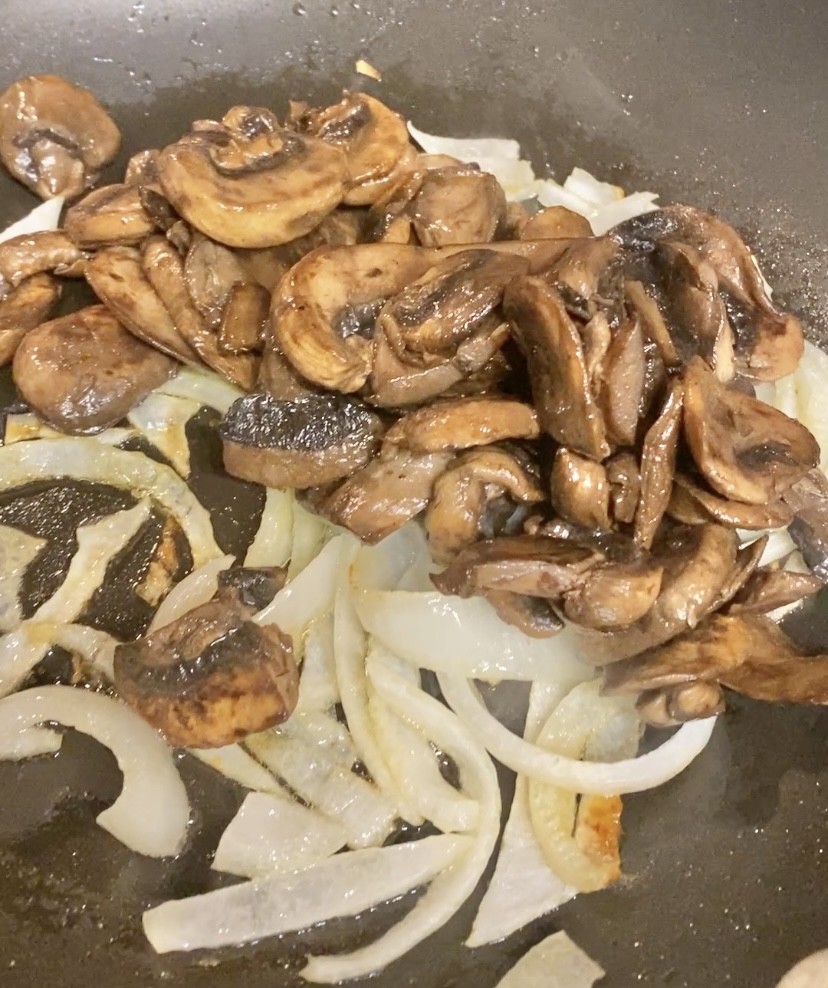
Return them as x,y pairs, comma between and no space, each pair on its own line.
372,136
579,490
255,586
808,499
341,228
534,616
557,372
614,595
381,497
652,322
278,377
451,302
117,278
555,222
623,374
534,565
325,306
307,442
248,183
164,270
479,494
596,337
28,255
462,423
679,704
768,588
55,137
211,677
83,372
246,318
111,215
583,269
658,464
746,450
24,308
395,384
625,486
142,170
692,504
210,272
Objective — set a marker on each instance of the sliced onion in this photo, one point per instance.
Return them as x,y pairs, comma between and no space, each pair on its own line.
384,565
81,458
310,532
343,885
163,419
606,217
318,729
45,216
202,386
318,688
312,592
98,544
17,551
593,190
601,778
316,774
579,837
271,835
271,544
194,590
152,812
555,962
454,884
523,887
801,395
234,763
22,426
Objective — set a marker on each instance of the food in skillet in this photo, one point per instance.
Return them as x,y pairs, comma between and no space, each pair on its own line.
538,446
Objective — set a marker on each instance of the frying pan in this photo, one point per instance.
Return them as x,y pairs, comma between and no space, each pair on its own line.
717,103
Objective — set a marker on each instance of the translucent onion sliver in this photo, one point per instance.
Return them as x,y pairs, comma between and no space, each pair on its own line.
194,590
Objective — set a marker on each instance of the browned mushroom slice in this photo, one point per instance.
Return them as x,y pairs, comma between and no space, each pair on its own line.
55,137
395,384
478,495
535,565
117,278
111,215
326,305
462,423
555,222
255,586
211,677
557,372
581,270
808,499
768,588
658,464
248,183
676,705
623,373
381,497
373,137
534,616
614,595
341,228
596,337
579,490
210,271
245,320
278,378
307,442
164,270
697,312
24,308
652,322
691,503
625,486
83,372
746,450
448,304
457,206
28,255
142,169
698,562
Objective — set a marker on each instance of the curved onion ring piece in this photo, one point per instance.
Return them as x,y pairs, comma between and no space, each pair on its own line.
152,812
555,962
205,387
343,885
194,590
601,778
234,763
271,544
81,458
17,550
163,420
44,217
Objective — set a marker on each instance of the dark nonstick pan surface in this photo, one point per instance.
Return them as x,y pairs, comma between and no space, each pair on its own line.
720,104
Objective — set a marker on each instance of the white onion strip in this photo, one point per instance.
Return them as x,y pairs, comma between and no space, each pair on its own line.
22,426
343,885
270,835
555,962
318,688
152,812
163,419
44,216
81,458
234,763
271,544
202,386
194,590
98,544
17,551
310,533
601,778
453,885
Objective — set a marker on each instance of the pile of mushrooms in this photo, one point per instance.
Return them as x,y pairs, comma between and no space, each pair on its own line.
573,416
